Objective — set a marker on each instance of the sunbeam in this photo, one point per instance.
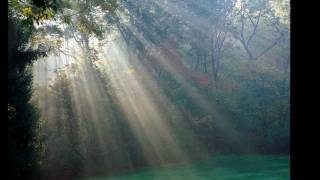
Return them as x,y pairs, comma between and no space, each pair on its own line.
138,89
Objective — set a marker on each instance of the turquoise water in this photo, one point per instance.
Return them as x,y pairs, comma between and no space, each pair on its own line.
231,167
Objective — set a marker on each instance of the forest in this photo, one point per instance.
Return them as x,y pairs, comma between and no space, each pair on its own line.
149,89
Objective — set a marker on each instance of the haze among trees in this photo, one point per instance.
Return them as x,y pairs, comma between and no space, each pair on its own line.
107,87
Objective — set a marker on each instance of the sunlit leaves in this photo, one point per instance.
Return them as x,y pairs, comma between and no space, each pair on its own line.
49,44
282,10
83,26
46,14
27,11
85,17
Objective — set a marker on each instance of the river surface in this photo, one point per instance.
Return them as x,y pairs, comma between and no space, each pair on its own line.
231,167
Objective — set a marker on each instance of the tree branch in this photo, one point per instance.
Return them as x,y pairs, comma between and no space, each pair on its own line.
270,47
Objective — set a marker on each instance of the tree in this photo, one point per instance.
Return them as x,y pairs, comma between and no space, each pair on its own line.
251,16
24,145
27,41
219,33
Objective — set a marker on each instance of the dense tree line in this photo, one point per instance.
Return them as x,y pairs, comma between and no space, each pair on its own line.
241,46
222,64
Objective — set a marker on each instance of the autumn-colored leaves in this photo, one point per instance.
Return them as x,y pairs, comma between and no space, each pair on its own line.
31,12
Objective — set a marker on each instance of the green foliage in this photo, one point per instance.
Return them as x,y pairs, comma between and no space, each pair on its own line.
254,94
32,12
23,140
24,145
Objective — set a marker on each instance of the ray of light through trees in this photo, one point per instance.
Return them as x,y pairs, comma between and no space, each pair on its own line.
132,84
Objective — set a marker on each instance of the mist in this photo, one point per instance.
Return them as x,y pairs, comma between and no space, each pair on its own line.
172,89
